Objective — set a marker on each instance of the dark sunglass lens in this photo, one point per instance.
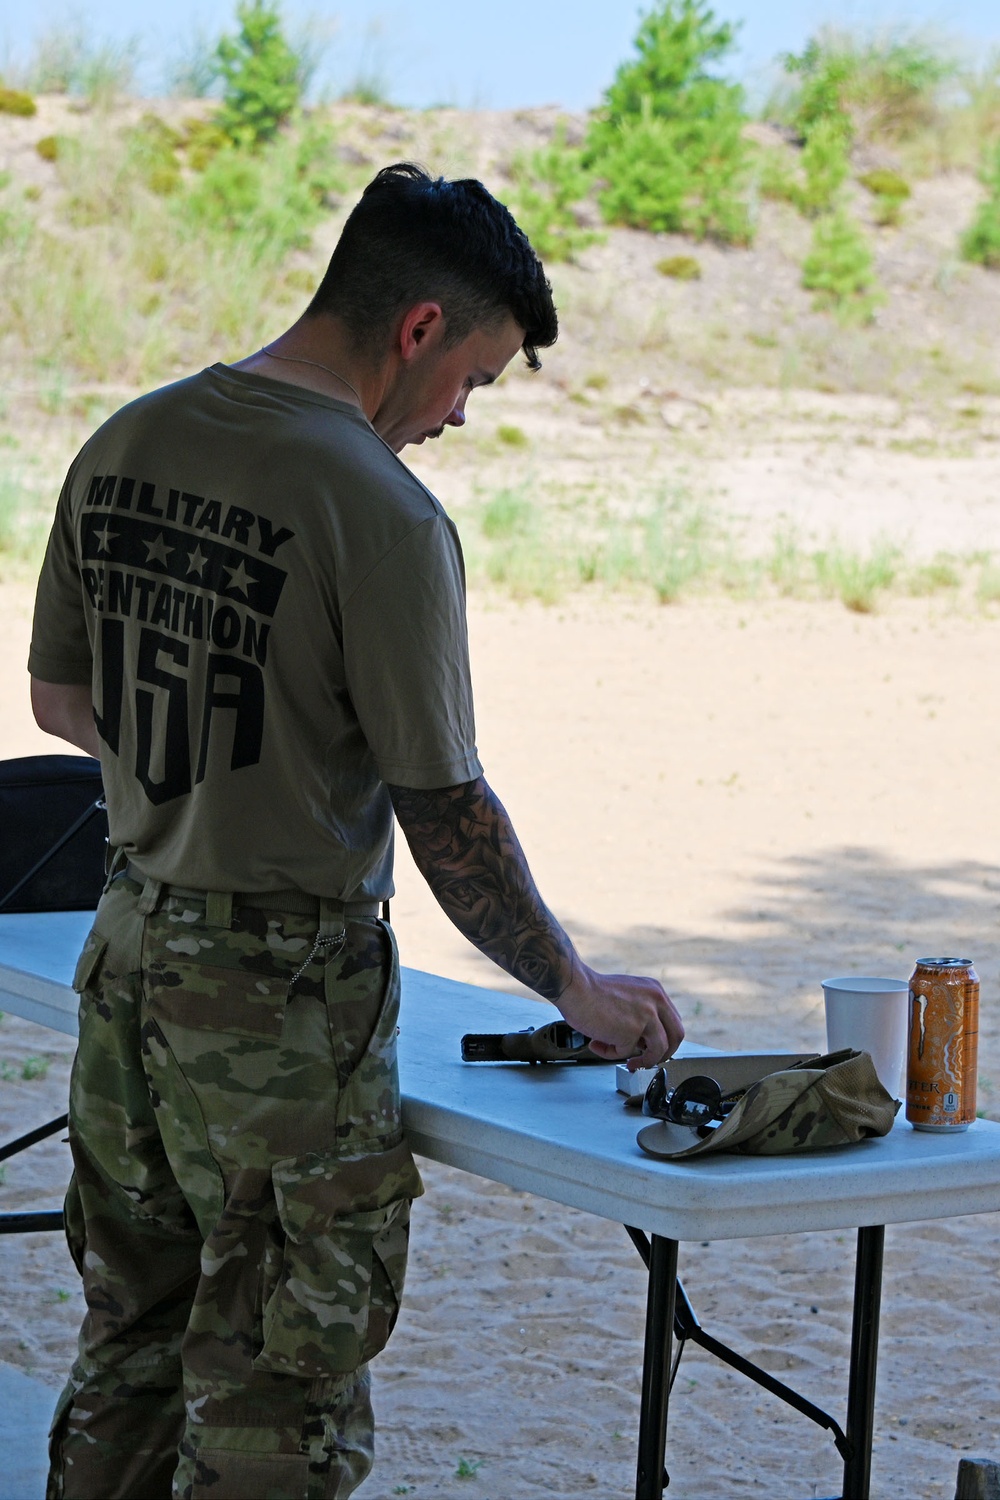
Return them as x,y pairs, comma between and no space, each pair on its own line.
654,1100
695,1101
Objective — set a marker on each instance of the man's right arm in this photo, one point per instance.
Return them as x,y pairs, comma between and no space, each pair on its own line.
67,711
464,845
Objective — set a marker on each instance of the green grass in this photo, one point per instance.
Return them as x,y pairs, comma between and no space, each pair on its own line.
670,548
506,516
856,579
10,508
942,574
988,585
468,1468
511,436
142,266
24,525
30,1069
67,58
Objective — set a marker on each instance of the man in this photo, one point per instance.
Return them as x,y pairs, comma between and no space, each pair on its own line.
255,615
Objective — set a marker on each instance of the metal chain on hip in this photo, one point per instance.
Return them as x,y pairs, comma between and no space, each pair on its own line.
323,943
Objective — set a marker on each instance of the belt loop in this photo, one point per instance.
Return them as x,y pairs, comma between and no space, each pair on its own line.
150,896
115,862
219,908
332,921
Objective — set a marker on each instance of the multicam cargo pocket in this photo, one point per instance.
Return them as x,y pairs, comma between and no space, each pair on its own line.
332,1275
86,975
89,961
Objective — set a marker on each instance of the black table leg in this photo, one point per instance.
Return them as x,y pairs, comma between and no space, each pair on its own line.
864,1355
660,1302
29,1222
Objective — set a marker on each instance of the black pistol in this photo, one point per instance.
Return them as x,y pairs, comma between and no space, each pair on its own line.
556,1042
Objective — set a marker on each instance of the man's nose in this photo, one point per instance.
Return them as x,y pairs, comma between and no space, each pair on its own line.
456,417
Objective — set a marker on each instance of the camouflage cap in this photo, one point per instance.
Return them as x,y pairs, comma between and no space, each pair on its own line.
830,1101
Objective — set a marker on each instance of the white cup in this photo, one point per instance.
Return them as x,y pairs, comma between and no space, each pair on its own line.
870,1015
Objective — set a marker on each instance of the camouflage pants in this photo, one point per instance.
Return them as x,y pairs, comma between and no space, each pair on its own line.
239,1209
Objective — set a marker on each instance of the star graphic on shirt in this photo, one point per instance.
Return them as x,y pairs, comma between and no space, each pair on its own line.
197,563
104,536
238,580
156,551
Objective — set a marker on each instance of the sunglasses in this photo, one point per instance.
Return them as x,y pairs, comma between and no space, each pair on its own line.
698,1101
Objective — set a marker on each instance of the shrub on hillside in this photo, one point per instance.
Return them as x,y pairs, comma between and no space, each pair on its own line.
547,189
826,167
981,241
152,147
810,179
679,176
676,42
890,192
262,85
203,138
883,85
981,86
840,270
155,279
680,267
668,140
271,199
16,102
885,183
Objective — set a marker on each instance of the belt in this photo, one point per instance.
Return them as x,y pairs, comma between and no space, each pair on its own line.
219,905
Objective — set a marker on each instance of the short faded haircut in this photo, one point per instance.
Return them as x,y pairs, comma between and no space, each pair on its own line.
414,238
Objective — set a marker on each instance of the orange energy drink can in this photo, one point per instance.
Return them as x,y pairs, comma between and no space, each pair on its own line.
943,1049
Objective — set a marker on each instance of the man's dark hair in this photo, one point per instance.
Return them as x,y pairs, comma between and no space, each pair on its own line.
412,239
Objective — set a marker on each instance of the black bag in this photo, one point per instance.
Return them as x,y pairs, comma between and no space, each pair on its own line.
53,833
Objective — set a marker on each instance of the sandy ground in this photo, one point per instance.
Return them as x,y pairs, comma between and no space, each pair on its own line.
741,800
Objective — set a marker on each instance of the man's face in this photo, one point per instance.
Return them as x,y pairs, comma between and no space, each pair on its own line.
431,391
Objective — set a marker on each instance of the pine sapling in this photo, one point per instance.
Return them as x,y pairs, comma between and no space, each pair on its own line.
839,269
981,241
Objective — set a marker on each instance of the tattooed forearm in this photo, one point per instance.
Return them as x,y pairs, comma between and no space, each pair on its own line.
464,845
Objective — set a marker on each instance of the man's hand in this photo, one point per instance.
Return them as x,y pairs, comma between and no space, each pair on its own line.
464,845
625,1016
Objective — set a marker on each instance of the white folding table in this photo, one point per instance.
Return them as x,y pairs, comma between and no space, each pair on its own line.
561,1132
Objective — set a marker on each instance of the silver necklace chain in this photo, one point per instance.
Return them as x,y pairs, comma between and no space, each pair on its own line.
295,359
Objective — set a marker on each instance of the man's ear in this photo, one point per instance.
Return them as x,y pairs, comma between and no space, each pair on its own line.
421,326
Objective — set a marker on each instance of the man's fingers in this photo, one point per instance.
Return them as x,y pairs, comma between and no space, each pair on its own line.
628,1017
644,1053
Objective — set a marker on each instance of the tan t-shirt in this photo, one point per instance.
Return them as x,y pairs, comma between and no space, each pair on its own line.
271,610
